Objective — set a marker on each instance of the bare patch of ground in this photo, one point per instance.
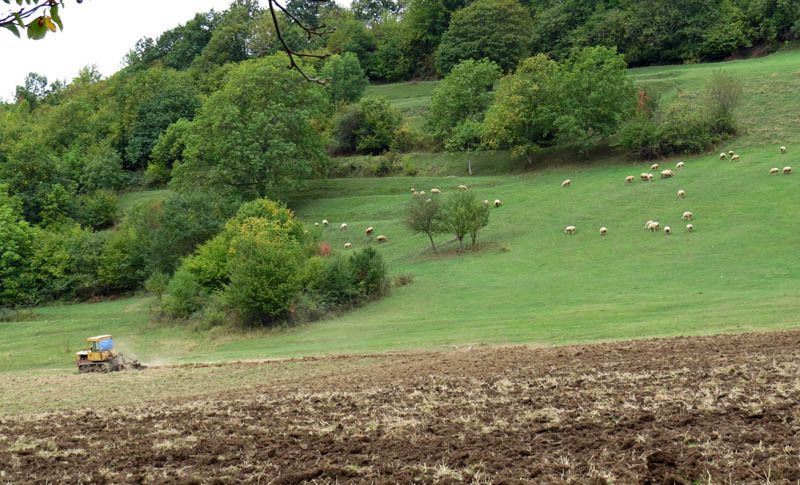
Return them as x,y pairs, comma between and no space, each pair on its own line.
720,409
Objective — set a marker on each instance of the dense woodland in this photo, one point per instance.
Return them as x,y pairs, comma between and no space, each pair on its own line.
210,110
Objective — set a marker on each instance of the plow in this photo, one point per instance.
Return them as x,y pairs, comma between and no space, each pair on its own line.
101,356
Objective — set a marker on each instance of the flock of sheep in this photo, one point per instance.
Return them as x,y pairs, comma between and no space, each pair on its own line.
655,226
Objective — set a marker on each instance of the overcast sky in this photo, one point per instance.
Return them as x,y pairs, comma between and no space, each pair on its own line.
97,32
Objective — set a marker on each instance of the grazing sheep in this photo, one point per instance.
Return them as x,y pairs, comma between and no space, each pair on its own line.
650,177
687,216
569,230
667,230
722,156
343,227
629,179
734,158
436,191
643,176
316,224
566,183
679,165
413,191
667,174
603,230
653,226
774,171
497,202
325,222
347,245
421,192
381,238
369,230
787,170
462,187
783,149
647,224
654,167
689,227
428,201
681,194
486,202
731,153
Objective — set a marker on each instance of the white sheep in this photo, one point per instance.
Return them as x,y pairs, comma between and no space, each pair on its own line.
369,230
643,176
722,156
787,170
689,227
731,153
654,167
421,193
679,165
681,194
774,171
325,222
647,224
667,174
462,187
486,202
343,227
603,230
429,201
667,230
569,230
650,177
734,158
436,191
783,149
566,183
497,202
653,226
316,224
413,191
347,245
381,238
687,216
629,179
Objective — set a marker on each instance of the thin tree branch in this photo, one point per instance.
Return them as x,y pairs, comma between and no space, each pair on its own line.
11,18
309,32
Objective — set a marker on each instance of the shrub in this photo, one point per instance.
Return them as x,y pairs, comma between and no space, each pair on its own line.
369,272
102,170
721,98
183,295
366,127
122,264
331,281
98,210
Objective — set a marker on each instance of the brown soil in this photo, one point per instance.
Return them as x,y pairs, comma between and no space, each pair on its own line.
720,409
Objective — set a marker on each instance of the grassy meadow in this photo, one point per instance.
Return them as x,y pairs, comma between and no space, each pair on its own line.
526,282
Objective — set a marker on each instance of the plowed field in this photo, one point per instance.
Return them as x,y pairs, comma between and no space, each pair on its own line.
720,409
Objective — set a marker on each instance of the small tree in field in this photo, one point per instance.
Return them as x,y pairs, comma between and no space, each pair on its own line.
424,215
465,214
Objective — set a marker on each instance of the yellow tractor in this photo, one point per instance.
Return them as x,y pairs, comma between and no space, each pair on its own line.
100,356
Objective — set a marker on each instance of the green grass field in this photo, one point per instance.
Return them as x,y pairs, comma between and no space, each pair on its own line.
527,282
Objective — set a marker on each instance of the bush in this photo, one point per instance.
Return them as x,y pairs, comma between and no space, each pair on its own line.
183,295
369,272
98,210
122,264
366,127
331,280
102,170
721,98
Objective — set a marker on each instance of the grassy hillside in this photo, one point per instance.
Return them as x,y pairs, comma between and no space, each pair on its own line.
527,281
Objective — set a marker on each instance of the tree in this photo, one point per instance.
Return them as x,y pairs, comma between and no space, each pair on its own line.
346,80
462,97
596,95
523,115
15,248
498,30
35,9
255,135
464,214
423,215
34,90
368,126
722,96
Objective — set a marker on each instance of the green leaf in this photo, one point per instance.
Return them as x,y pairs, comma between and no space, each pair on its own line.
37,29
56,17
13,28
19,19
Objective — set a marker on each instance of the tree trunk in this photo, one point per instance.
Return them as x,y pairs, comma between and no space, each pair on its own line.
430,236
